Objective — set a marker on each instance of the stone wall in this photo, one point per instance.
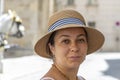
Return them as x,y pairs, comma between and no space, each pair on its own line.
35,14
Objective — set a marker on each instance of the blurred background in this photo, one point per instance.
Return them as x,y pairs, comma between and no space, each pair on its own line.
18,52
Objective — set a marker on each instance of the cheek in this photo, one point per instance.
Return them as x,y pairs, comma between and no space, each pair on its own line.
61,52
84,49
61,48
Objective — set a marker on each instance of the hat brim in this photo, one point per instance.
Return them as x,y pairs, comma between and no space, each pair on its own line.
95,40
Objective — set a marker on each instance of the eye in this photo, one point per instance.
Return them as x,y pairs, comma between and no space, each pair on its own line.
81,40
66,41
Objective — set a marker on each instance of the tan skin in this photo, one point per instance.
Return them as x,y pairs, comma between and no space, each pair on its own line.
70,50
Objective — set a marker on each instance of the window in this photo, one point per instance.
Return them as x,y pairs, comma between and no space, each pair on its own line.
70,2
92,2
92,24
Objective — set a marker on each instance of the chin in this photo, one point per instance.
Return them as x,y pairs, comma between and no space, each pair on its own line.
74,65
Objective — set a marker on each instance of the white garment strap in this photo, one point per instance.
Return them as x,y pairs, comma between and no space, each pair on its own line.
80,78
47,78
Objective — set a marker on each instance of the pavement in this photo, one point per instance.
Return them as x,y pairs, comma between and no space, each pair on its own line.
98,66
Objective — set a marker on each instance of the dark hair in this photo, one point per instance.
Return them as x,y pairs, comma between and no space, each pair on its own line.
52,42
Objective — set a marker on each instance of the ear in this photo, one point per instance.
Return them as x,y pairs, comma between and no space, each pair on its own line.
52,48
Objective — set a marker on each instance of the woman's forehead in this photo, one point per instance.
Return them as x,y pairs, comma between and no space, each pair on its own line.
71,30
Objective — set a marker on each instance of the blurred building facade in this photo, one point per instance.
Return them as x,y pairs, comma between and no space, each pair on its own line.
101,14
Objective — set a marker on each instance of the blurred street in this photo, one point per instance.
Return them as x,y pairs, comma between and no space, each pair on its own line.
99,66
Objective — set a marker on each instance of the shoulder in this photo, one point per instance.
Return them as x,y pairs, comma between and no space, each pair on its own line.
81,78
47,78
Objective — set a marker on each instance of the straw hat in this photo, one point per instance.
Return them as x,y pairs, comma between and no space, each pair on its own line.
66,19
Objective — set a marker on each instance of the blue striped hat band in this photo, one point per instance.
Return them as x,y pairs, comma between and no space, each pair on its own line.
65,21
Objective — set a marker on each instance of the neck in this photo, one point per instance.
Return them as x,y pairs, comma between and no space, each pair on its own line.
69,74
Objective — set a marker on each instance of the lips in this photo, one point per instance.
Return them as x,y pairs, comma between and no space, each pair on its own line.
74,57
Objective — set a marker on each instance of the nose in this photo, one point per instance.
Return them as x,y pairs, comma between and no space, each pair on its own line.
74,47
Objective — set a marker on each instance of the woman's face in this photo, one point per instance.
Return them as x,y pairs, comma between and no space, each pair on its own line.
70,47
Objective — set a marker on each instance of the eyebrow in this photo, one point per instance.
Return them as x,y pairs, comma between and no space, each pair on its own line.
81,35
77,35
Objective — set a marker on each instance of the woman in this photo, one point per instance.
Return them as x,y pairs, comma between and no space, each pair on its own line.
67,42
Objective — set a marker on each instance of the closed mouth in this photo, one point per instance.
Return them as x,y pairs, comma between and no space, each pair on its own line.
74,57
